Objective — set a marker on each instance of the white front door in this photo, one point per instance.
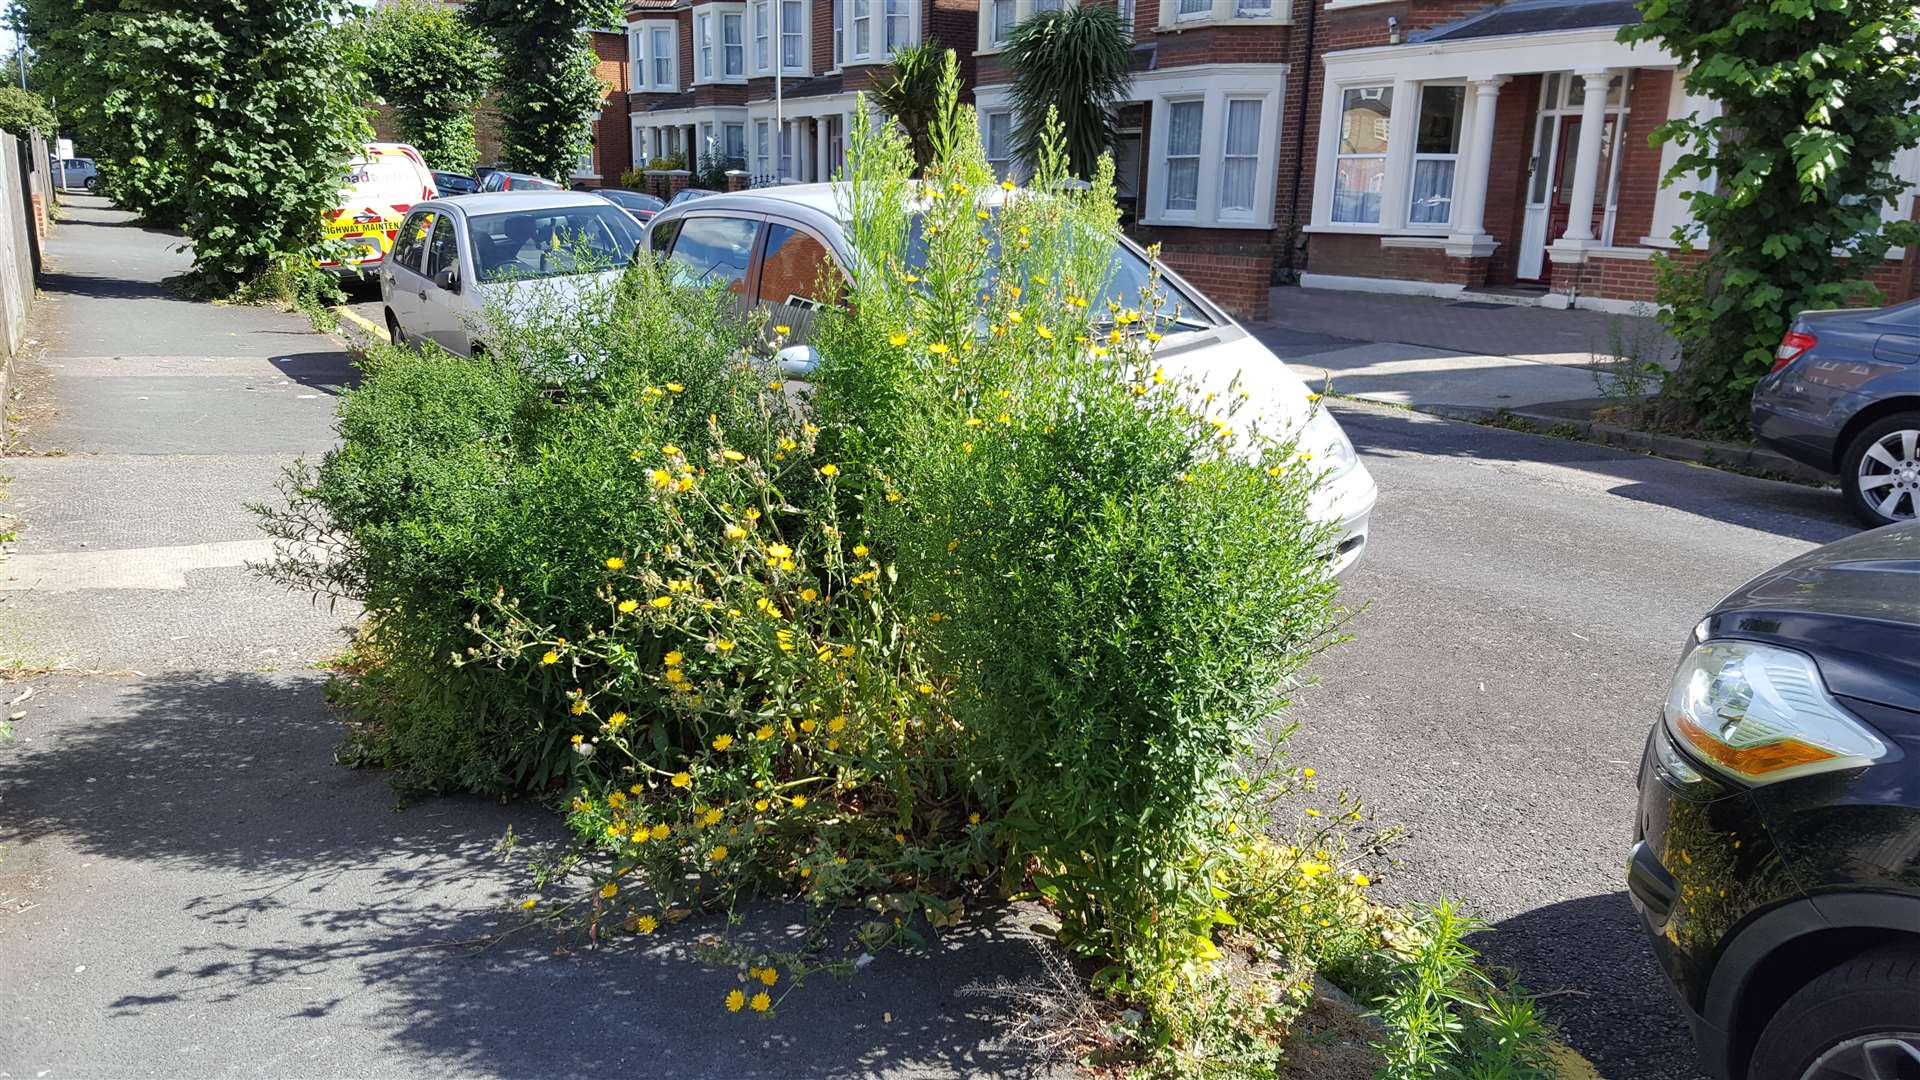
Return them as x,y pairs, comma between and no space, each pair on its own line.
1532,265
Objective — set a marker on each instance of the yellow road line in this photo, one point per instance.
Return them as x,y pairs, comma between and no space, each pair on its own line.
361,321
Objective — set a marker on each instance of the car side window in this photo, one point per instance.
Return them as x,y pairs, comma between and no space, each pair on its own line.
714,250
412,239
444,250
797,270
660,236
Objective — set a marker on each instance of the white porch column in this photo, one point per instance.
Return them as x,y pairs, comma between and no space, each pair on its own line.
1469,238
822,157
1586,176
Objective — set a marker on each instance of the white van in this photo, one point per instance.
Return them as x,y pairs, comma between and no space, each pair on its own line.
380,186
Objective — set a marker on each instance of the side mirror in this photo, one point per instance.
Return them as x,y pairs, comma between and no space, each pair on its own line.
448,279
797,360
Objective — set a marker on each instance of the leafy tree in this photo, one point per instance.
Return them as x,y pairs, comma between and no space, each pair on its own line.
22,112
546,79
433,68
1079,62
237,117
909,91
1816,99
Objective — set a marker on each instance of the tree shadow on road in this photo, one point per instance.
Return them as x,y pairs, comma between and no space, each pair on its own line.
295,899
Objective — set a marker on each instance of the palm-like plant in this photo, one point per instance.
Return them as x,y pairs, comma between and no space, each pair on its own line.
1078,62
909,91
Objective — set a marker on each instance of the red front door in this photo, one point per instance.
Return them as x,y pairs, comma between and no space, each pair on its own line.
1559,203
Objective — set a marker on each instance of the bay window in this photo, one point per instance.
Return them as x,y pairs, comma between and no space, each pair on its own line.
1184,121
790,42
735,145
1436,154
703,37
786,150
1195,9
839,29
761,158
1001,26
1360,163
862,30
1240,168
1045,5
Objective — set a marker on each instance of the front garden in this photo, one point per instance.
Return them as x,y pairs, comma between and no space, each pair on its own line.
992,611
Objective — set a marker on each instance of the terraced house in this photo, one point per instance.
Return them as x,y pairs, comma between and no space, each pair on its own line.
702,75
1440,147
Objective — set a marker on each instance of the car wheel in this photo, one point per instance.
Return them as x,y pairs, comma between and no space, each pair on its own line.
1862,1019
92,182
394,333
1881,470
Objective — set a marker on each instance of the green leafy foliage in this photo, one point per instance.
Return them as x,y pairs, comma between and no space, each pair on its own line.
1816,97
22,113
1446,1018
546,80
1079,63
433,68
233,120
909,91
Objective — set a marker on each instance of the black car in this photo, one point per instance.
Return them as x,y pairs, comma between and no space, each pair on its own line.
638,204
452,183
1776,861
1844,397
689,194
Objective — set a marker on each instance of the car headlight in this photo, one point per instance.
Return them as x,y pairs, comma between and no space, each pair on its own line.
1329,445
1760,714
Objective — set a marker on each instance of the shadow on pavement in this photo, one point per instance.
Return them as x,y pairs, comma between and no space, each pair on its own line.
331,370
1804,513
1589,961
290,904
55,282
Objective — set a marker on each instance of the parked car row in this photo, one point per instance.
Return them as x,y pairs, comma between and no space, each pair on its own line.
770,248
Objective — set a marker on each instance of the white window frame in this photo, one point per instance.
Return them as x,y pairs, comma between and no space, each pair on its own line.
800,30
839,32
785,168
727,128
1003,166
587,168
1178,15
1215,85
762,37
861,23
877,20
703,45
762,147
1392,193
1022,11
890,12
737,19
1166,208
644,61
1226,121
1413,165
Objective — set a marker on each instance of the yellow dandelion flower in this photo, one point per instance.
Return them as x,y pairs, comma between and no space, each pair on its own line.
718,854
1308,772
723,645
783,329
628,607
809,595
660,831
646,924
722,742
551,657
973,818
682,779
760,805
837,724
859,551
529,904
670,450
615,562
925,688
1045,334
769,976
897,339
661,602
616,721
1006,185
608,890
674,387
829,469
761,1002
798,801
736,1000
578,708
735,532
763,732
733,455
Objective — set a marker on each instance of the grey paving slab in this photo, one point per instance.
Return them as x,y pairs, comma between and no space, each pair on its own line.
172,414
94,502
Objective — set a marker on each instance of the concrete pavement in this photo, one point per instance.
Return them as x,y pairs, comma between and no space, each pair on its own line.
190,886
1429,353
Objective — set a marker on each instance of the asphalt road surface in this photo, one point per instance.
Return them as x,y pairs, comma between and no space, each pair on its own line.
1520,612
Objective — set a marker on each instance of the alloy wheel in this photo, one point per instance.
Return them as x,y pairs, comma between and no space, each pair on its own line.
1890,475
1886,1056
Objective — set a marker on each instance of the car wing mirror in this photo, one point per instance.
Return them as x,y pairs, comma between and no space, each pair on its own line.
797,361
448,279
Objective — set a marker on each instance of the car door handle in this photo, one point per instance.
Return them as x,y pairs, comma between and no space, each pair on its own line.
423,294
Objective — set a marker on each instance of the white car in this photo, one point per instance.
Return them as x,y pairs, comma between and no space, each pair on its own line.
452,256
768,245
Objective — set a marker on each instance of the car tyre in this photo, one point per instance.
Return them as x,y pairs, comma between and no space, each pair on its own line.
91,182
394,333
1861,1016
1894,471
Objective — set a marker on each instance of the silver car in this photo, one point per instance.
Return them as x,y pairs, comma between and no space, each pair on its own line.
453,256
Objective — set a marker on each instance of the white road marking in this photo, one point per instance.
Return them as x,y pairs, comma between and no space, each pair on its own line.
126,568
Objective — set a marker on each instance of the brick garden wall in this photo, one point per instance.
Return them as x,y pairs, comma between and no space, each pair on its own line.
1231,276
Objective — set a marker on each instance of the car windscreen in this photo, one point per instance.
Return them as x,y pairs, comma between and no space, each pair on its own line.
1127,275
552,242
632,200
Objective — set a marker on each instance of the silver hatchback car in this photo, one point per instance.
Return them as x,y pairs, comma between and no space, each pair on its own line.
455,255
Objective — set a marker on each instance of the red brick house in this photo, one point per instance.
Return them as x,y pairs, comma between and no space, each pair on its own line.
702,75
1437,147
611,152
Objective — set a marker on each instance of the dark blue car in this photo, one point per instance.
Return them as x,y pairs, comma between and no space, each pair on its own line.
1844,397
